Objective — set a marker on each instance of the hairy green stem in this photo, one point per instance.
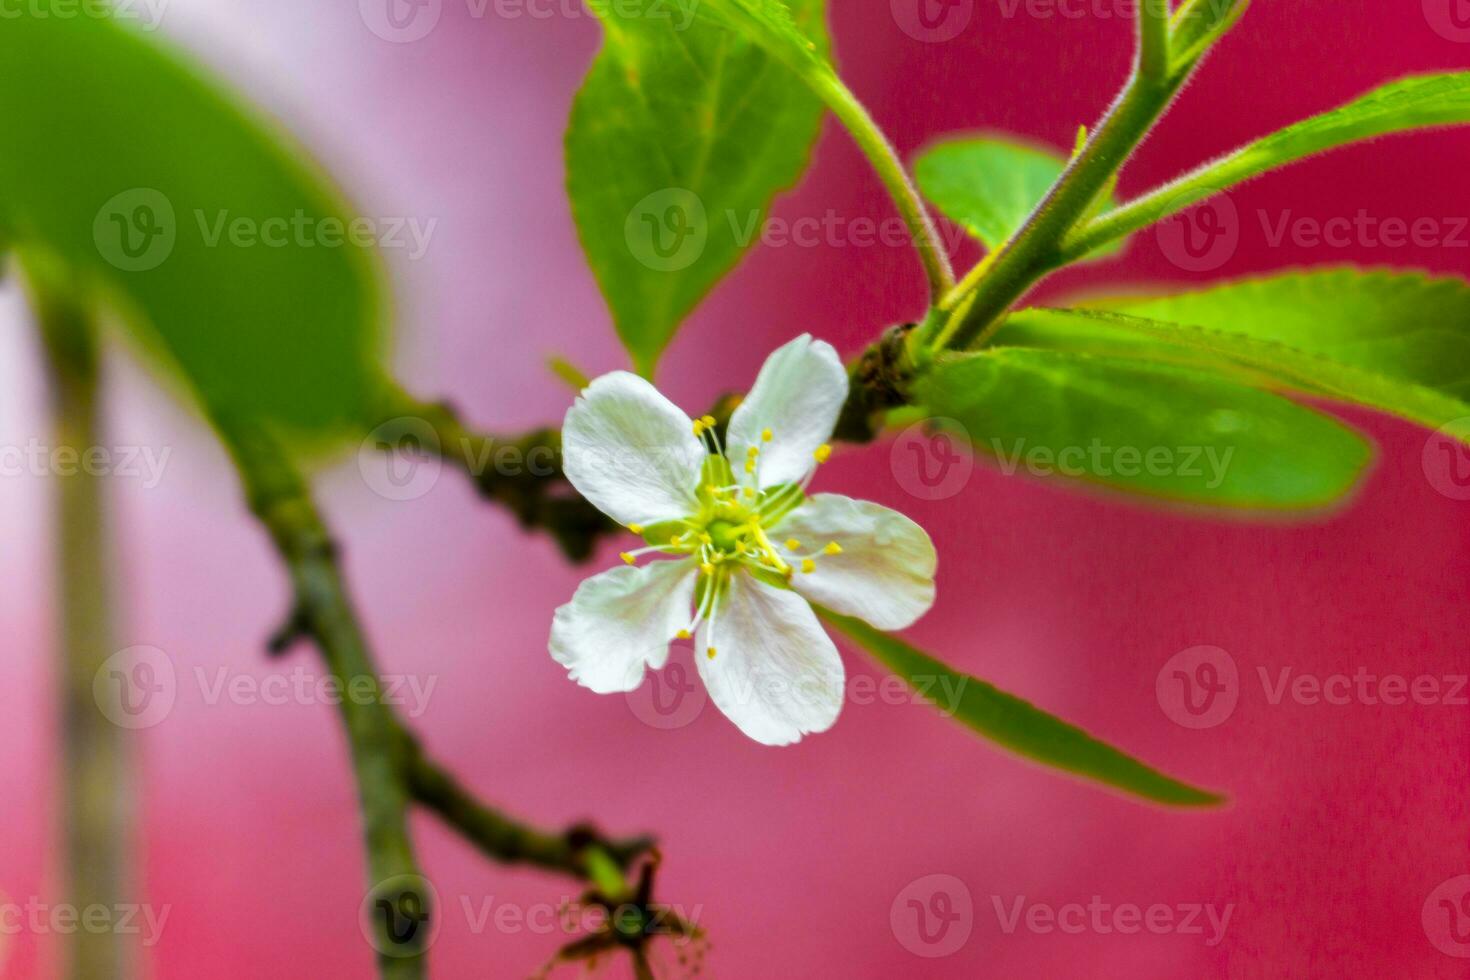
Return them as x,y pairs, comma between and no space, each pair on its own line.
1153,39
982,298
279,498
885,161
96,789
984,295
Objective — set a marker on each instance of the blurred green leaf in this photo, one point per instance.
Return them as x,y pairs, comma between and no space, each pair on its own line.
685,128
1019,726
1166,432
1399,342
122,161
989,185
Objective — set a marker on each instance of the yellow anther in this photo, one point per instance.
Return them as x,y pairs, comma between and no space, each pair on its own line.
636,528
676,540
748,491
704,538
750,466
699,427
627,557
708,421
822,453
707,568
710,653
753,451
792,544
765,435
833,548
808,566
682,635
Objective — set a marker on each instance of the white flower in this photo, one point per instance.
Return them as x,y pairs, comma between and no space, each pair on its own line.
748,548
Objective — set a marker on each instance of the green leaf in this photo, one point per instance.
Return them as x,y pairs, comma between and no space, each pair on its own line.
685,128
107,135
989,185
1019,726
1420,102
1162,431
1399,342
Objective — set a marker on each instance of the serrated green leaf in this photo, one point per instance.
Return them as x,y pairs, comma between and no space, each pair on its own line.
1165,432
1020,727
118,158
989,185
1399,342
1419,102
684,130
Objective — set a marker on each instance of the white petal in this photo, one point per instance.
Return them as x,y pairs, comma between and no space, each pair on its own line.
775,673
620,620
797,395
885,572
630,451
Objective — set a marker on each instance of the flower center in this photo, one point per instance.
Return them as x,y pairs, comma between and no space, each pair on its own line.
727,537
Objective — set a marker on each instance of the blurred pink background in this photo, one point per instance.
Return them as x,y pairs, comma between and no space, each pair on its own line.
800,862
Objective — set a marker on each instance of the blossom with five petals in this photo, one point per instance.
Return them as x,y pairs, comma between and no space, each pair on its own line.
747,547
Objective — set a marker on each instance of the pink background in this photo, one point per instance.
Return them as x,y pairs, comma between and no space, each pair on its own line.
1344,818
